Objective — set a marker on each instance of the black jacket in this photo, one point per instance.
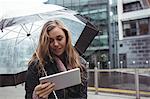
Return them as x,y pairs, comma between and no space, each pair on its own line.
74,92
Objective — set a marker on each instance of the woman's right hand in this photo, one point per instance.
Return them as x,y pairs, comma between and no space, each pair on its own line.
43,90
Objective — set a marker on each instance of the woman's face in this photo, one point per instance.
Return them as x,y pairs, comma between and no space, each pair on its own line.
57,41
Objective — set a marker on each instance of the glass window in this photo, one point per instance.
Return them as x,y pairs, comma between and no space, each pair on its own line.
114,10
145,3
60,2
68,2
129,28
104,41
84,0
100,42
143,26
132,6
136,27
52,1
95,42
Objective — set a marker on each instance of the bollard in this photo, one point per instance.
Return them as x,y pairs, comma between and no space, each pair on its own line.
87,66
121,64
98,64
109,65
137,84
147,63
96,79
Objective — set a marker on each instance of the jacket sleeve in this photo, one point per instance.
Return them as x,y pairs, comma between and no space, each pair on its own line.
83,86
32,80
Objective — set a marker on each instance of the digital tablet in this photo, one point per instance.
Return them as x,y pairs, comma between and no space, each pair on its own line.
63,79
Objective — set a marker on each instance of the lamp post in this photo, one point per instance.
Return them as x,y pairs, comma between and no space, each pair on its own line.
147,63
98,63
133,63
109,65
121,64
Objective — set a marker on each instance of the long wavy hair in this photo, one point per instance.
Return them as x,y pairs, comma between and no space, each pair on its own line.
43,49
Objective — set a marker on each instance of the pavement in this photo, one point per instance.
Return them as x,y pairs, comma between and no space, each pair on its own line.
120,80
17,92
100,95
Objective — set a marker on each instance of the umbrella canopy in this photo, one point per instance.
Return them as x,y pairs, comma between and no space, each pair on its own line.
20,30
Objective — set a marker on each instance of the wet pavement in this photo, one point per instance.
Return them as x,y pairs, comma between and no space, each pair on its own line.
91,95
119,80
112,80
18,93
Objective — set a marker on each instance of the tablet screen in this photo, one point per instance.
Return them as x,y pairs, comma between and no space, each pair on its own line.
63,79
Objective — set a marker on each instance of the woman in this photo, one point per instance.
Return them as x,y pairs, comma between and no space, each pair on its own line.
54,54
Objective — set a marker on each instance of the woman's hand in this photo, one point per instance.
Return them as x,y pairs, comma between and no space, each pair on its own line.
43,90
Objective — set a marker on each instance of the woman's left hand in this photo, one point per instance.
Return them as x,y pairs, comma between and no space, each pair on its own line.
43,90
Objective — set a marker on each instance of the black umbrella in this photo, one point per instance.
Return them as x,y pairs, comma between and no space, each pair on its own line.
19,36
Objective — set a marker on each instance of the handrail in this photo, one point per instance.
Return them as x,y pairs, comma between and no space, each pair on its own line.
121,70
135,71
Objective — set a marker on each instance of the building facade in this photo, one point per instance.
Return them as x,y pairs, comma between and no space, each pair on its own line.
123,40
134,33
97,12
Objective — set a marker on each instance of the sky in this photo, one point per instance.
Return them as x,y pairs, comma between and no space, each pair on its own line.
22,1
9,6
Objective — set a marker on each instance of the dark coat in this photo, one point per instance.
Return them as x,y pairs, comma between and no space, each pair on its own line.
76,92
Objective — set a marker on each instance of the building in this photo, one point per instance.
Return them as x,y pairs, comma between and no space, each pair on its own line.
123,40
97,12
134,33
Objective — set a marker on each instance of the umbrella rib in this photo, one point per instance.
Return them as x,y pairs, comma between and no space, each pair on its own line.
37,28
39,16
28,31
33,42
7,32
18,36
24,29
4,35
25,26
12,31
21,40
31,27
12,38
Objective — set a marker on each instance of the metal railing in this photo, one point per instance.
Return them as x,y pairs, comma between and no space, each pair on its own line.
134,71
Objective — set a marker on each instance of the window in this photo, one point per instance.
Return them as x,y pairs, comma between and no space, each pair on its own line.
129,28
132,6
143,26
136,27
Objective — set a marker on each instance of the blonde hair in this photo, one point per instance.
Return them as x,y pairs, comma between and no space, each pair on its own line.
42,51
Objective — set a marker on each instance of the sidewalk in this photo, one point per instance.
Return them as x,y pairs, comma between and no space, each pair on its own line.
91,95
18,93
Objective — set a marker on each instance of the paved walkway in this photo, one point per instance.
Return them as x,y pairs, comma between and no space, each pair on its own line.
18,93
91,95
120,80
